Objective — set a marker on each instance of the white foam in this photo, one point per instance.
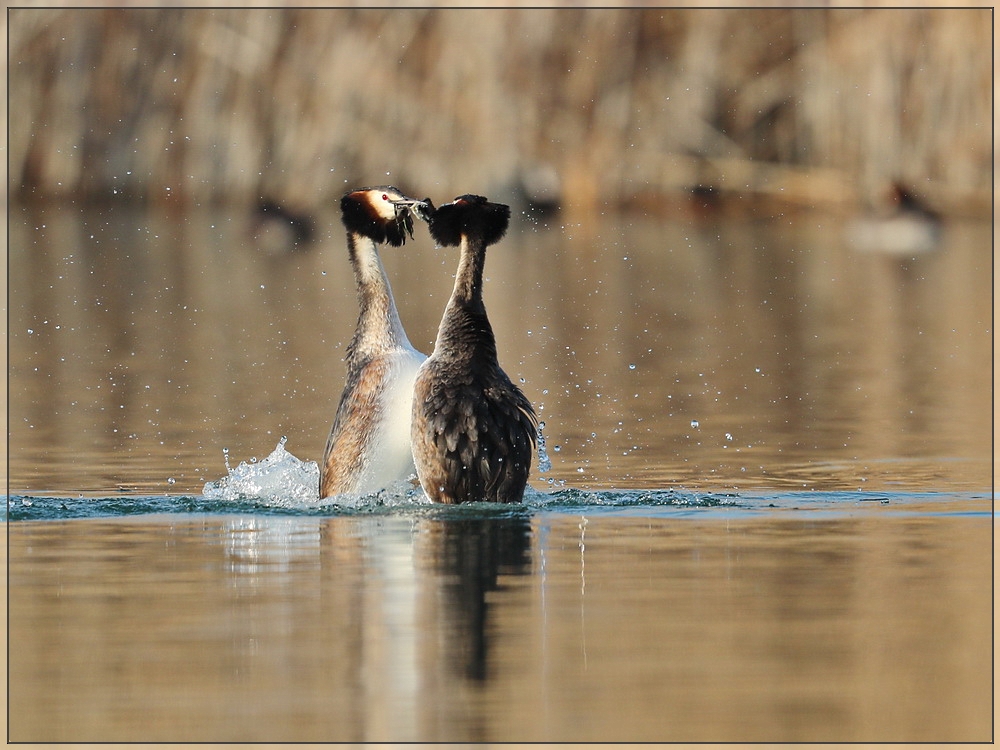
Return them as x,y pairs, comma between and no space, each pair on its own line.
280,479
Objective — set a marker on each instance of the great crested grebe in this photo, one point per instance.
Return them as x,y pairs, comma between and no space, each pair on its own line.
369,443
473,431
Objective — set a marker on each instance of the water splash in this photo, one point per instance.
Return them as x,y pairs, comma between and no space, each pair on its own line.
283,481
544,463
280,479
281,485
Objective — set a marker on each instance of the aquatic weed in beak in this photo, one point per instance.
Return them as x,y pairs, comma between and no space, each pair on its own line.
404,218
422,209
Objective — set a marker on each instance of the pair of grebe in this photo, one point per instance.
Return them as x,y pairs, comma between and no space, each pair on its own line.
454,418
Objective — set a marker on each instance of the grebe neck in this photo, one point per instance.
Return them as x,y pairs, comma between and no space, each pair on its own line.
465,330
379,327
469,278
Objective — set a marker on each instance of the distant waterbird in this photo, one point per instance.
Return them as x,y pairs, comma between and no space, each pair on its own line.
278,228
369,443
905,226
473,430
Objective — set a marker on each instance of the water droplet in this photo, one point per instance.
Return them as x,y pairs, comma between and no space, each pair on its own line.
729,436
694,423
631,367
171,480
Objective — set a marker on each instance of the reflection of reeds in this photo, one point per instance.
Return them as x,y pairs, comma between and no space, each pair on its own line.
815,105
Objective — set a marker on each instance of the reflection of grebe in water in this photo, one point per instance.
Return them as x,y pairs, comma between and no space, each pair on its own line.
369,444
905,226
473,430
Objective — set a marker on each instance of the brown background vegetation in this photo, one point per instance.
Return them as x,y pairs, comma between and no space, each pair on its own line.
618,106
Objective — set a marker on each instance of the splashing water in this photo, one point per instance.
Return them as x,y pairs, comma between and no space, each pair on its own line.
544,463
282,483
280,479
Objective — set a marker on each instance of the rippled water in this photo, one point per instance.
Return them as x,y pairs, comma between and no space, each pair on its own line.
719,354
573,618
768,515
651,503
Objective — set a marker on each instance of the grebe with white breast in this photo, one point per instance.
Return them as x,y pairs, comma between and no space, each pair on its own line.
473,430
904,226
369,443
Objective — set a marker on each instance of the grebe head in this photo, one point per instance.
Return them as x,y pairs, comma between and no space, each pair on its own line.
381,213
469,215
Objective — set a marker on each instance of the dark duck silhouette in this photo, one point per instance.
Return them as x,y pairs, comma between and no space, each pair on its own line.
369,443
473,430
277,228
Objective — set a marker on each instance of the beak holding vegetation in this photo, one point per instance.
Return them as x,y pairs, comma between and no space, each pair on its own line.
404,216
422,209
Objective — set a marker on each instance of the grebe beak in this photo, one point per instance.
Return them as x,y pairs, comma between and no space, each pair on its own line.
422,209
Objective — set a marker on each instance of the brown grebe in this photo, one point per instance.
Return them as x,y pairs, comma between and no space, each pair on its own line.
369,444
473,431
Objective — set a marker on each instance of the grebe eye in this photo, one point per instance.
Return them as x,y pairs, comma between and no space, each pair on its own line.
385,197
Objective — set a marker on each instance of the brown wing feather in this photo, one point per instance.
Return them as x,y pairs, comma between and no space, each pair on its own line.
472,440
359,408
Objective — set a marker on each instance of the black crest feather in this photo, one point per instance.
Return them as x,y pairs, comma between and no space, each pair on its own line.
471,215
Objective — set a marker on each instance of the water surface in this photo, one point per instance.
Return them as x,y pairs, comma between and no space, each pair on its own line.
684,624
715,354
768,515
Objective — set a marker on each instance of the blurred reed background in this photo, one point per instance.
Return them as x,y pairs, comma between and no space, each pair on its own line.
587,108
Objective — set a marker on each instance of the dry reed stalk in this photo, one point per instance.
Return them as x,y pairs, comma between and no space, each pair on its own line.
298,103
